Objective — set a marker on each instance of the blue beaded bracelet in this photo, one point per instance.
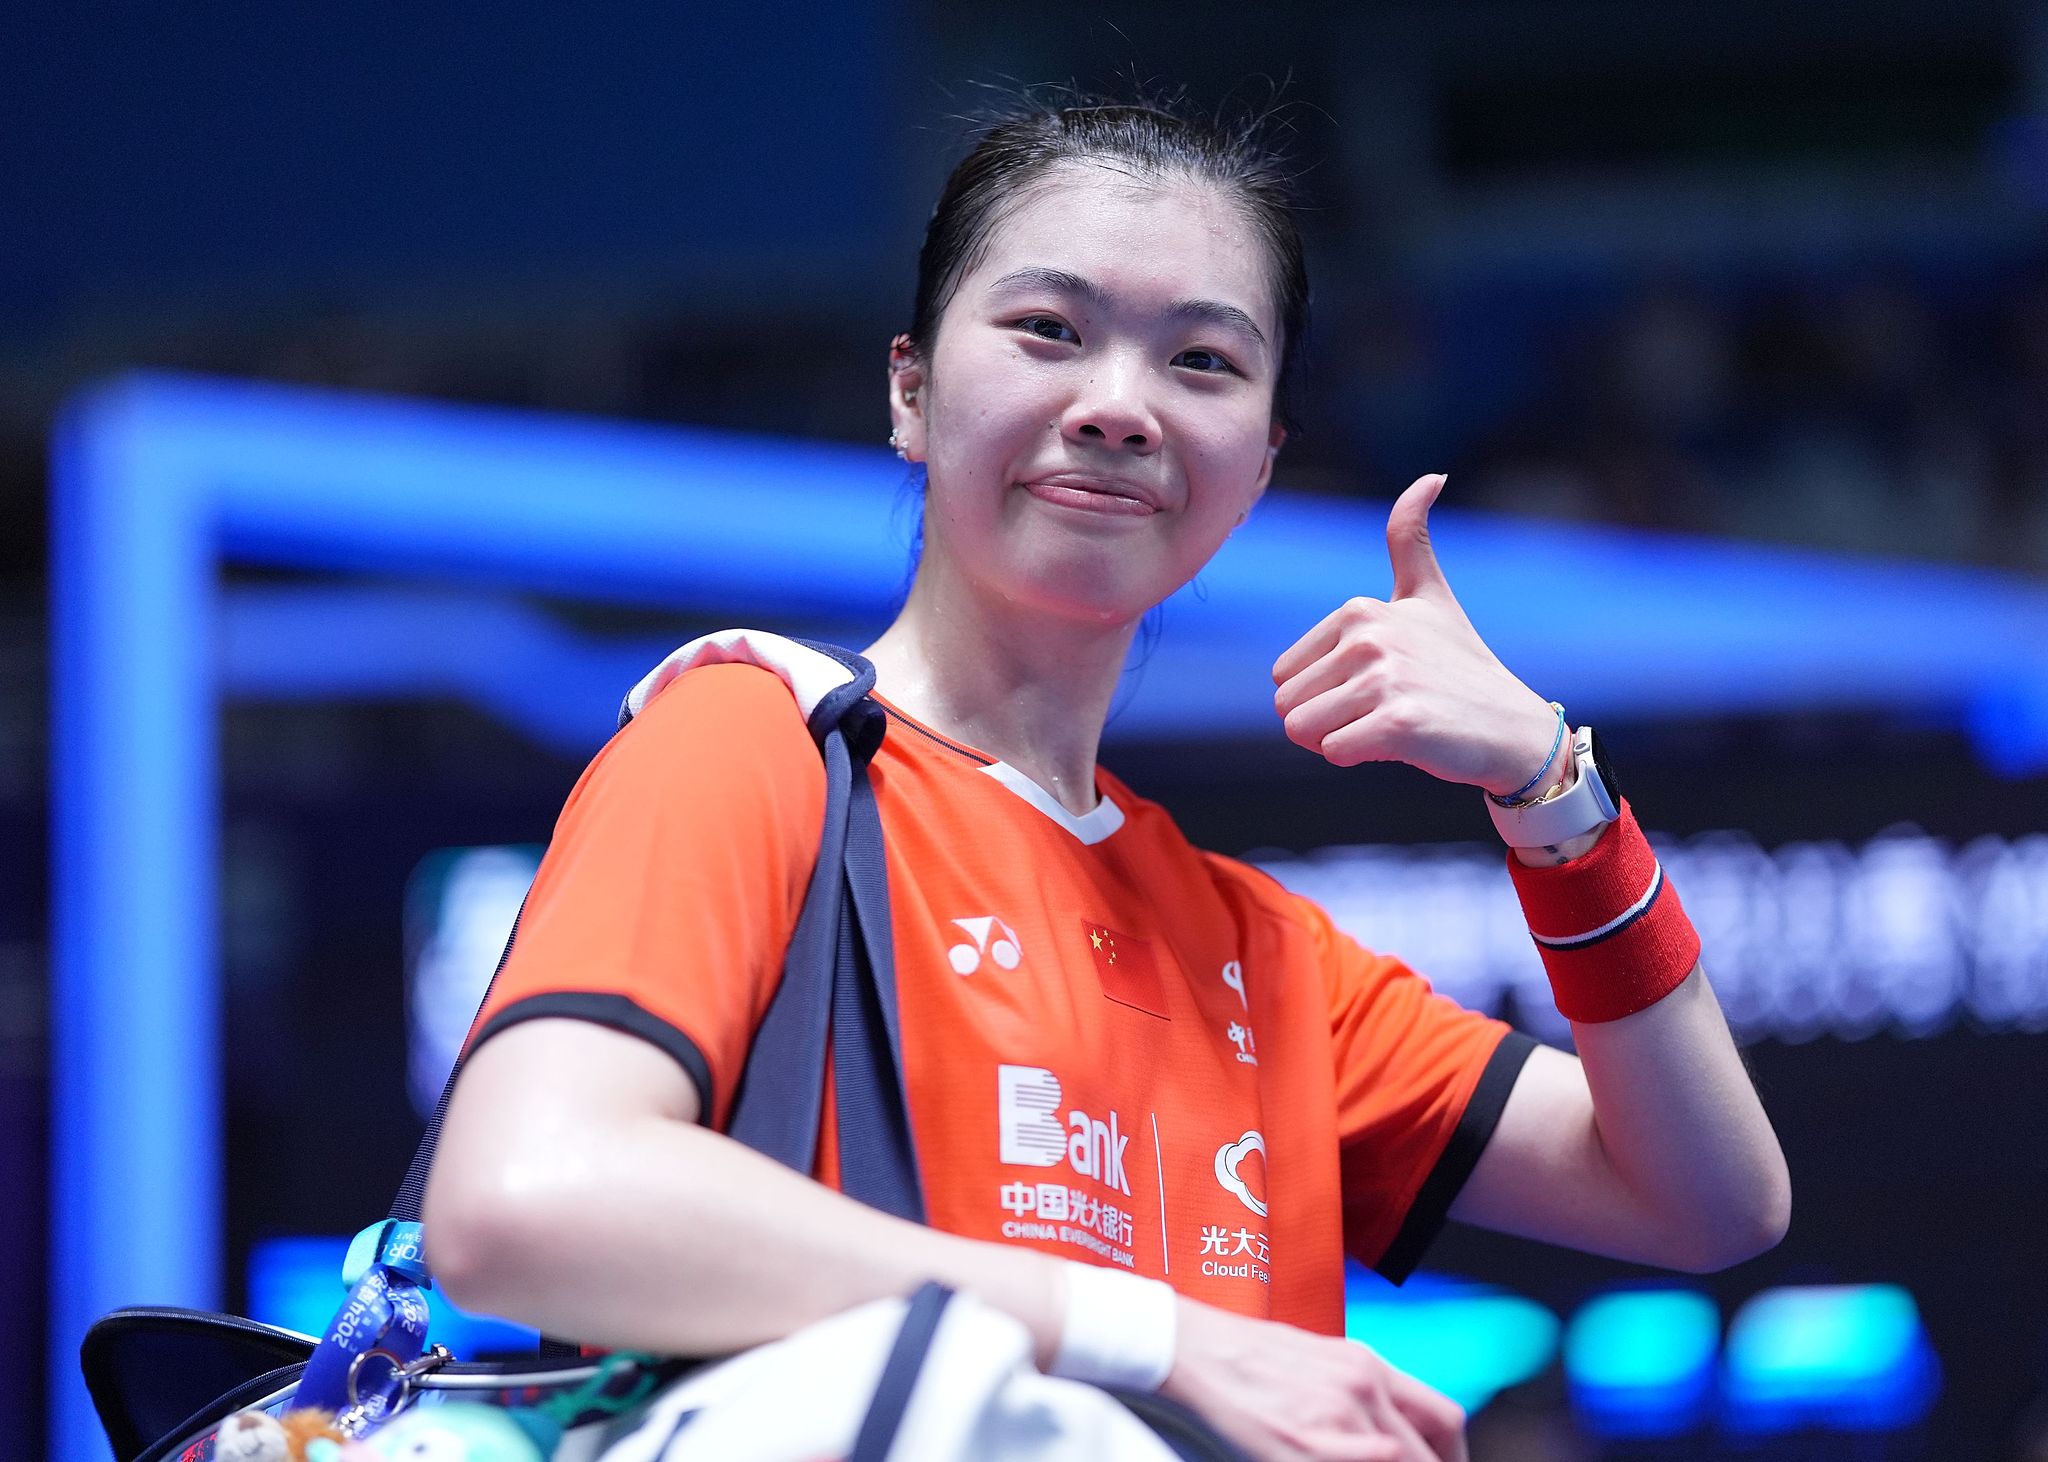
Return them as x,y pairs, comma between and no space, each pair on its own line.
1514,798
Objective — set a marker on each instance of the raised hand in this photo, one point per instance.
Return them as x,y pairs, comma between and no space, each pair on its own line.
1408,678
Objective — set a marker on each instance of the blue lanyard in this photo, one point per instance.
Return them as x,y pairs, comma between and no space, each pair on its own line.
380,1329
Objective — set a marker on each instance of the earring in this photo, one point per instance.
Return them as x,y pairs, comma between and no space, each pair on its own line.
900,452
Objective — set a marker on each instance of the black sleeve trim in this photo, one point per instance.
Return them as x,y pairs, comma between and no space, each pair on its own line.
1460,1155
614,1012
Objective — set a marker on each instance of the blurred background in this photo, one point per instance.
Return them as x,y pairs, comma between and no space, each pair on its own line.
1766,284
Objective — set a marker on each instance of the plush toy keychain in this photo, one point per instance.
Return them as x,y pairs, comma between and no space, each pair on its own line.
257,1436
455,1431
250,1436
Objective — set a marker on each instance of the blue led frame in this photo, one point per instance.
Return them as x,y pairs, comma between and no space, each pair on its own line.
158,479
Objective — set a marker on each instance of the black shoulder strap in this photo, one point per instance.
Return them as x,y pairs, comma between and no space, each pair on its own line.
836,1002
837,999
412,1193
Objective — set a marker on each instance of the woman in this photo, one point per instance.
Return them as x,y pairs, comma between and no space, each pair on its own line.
1155,1096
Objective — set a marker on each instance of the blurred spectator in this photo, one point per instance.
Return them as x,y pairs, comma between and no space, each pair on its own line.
1881,415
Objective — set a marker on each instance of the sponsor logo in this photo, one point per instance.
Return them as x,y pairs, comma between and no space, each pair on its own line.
1069,1216
991,937
1230,1158
1226,1245
1239,1034
1029,1131
1028,1127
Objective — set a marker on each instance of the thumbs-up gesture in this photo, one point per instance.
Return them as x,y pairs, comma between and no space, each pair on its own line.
1408,678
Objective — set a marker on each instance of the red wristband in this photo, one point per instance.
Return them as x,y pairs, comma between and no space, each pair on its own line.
1613,936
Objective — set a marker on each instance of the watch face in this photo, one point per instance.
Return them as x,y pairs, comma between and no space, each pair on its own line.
1602,770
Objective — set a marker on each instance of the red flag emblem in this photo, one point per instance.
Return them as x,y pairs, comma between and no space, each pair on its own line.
1127,968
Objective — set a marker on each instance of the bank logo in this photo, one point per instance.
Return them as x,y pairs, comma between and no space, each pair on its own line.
990,936
1028,1127
1029,1131
1230,1159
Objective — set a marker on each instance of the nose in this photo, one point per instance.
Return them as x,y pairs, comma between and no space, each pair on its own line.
1112,409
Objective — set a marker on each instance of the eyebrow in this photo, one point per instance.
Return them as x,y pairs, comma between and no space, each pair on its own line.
1060,281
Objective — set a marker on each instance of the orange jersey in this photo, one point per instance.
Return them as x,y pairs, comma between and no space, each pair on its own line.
1117,1048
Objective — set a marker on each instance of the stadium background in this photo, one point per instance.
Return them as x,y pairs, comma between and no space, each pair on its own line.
1709,270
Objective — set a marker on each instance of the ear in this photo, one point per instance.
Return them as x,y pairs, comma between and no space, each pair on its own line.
906,399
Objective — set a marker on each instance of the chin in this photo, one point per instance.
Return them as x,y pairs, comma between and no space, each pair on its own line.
1087,590
1085,577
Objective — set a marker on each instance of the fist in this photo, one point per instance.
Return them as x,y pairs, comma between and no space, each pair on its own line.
1408,679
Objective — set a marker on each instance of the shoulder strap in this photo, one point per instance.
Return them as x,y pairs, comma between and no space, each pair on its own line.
836,1006
837,999
412,1192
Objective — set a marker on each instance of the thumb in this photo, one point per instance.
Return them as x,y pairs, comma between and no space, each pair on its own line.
1416,573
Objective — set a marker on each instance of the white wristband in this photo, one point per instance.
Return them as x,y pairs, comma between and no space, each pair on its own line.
1584,807
1118,1330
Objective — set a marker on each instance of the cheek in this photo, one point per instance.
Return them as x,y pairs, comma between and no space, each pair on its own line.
1223,472
981,429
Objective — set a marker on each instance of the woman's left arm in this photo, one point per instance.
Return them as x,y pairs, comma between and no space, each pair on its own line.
1650,1145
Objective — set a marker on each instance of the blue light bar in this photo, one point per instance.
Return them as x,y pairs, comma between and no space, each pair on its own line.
1470,1341
1640,1363
156,478
1847,1357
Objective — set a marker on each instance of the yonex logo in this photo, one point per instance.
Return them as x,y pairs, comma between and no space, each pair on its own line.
991,936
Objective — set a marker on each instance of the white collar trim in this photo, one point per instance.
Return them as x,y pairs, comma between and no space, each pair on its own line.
1090,827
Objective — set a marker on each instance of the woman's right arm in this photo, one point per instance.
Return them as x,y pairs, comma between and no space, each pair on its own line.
573,1190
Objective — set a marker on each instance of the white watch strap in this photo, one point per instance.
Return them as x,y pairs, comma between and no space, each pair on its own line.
1119,1329
1580,810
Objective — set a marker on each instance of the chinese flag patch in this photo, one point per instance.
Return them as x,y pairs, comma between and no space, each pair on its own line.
1126,967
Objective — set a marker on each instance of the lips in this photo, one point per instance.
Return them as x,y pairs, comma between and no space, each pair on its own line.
1107,495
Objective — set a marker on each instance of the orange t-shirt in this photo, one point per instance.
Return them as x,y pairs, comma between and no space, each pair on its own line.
1117,1048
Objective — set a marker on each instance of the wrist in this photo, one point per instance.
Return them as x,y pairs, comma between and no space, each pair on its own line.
1581,801
1532,765
1556,855
1116,1329
1193,1345
1025,1284
1612,934
1045,1310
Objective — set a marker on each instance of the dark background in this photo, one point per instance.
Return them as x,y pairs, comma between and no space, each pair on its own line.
1716,268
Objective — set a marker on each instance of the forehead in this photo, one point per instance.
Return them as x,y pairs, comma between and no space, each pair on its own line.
1140,238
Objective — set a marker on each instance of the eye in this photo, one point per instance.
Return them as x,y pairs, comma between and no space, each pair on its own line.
1046,327
1208,362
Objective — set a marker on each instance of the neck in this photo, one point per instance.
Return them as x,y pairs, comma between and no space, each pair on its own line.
1030,690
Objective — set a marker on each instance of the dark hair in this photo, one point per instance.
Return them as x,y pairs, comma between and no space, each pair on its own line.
1158,139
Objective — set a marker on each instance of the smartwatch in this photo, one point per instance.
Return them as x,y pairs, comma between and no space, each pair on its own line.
1591,803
